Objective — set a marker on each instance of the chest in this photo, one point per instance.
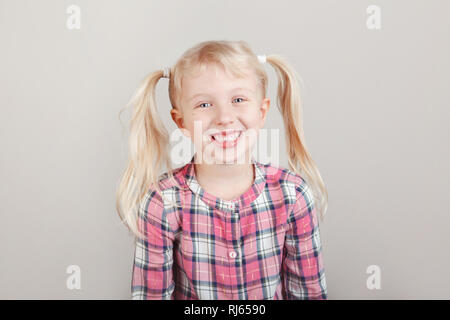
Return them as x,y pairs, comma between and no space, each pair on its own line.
212,234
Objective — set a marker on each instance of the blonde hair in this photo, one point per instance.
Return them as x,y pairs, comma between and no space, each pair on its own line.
149,139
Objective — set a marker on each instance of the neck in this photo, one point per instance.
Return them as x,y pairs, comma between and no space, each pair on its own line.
222,178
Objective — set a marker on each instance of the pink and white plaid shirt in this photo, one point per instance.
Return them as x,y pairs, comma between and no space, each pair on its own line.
263,245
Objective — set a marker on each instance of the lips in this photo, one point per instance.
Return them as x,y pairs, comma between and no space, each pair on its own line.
224,133
226,136
226,139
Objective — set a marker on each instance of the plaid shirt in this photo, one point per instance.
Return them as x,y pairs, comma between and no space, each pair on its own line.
263,245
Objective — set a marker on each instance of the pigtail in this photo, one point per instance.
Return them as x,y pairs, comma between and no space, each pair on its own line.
289,104
148,143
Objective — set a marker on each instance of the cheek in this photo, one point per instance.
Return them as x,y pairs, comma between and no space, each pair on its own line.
197,127
191,122
252,120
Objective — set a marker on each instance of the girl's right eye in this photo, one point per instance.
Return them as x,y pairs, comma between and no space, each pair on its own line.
202,104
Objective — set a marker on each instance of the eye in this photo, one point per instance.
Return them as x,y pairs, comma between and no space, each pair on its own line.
200,105
239,98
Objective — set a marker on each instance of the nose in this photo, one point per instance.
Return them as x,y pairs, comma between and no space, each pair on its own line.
225,114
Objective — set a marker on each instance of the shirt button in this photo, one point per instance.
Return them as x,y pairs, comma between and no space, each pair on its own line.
233,254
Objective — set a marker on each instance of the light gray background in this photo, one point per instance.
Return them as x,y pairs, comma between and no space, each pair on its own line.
375,115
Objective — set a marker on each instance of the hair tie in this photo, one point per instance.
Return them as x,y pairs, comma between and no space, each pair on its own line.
262,58
166,72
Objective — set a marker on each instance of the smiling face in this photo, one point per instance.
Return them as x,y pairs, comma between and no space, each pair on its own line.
214,104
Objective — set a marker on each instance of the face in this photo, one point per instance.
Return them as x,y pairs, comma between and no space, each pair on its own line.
215,108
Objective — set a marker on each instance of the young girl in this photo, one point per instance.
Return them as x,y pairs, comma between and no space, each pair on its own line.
223,226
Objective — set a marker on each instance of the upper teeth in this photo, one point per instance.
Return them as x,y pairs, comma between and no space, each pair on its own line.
228,137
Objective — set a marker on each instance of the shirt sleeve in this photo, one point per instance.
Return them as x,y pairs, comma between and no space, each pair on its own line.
303,271
152,277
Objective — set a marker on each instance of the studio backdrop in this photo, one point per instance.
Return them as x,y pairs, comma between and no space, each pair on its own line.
375,96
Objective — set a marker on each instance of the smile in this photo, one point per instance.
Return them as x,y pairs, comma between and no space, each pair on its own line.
226,141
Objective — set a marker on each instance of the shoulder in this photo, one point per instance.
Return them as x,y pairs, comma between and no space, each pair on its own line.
293,185
285,176
157,205
168,186
168,181
297,193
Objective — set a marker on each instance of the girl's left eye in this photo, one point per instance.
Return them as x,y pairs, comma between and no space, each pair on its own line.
239,98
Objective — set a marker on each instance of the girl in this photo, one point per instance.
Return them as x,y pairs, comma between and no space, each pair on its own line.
223,226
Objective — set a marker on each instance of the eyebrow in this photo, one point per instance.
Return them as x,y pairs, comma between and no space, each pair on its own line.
205,94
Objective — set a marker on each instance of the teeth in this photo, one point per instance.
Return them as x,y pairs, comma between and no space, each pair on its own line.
228,137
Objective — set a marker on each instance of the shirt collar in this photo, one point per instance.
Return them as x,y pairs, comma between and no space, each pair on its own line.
240,202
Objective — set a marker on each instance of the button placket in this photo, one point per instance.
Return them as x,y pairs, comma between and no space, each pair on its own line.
229,206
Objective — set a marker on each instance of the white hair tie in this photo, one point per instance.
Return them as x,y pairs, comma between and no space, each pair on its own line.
262,58
166,72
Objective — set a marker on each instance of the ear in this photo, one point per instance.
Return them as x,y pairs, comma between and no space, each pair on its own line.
177,117
265,106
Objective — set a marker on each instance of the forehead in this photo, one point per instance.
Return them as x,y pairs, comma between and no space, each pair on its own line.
214,79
